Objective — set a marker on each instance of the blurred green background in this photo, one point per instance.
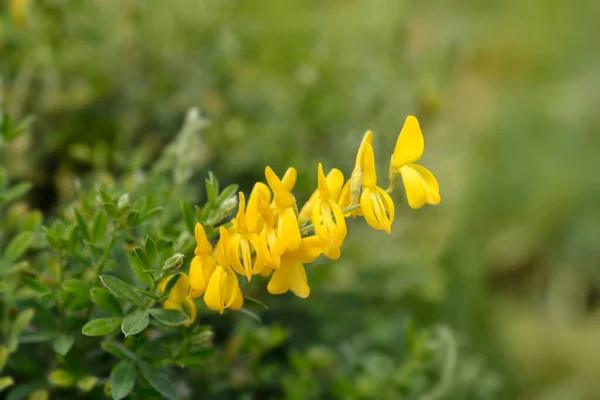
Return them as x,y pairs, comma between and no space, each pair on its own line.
507,93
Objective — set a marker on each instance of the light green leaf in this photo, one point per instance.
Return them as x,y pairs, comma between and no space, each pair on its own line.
139,269
82,224
106,301
61,378
78,287
122,289
17,247
63,344
86,383
99,226
158,380
16,191
122,379
6,382
101,326
135,322
19,324
151,251
3,357
169,317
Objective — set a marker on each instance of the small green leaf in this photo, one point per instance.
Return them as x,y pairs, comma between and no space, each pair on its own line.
63,344
106,197
118,350
151,251
158,380
188,216
171,284
61,378
169,317
211,192
122,379
230,190
36,285
99,226
20,392
142,257
6,382
106,301
256,301
3,357
101,326
18,326
133,218
82,224
251,314
147,294
139,269
17,247
122,289
151,213
16,191
86,383
135,322
78,287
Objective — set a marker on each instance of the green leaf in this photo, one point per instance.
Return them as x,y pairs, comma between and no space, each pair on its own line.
211,192
151,213
36,285
142,257
86,383
151,251
139,269
61,378
78,287
106,197
3,357
63,344
106,301
123,203
17,247
251,314
99,226
122,379
133,218
171,284
122,289
118,350
21,392
135,322
158,380
16,191
18,326
101,326
6,382
257,302
82,224
169,317
147,294
230,190
188,216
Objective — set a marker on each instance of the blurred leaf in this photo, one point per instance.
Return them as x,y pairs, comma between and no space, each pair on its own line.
82,224
39,394
3,357
138,268
133,218
122,289
169,317
17,247
6,382
135,322
158,380
99,226
101,326
123,203
188,216
151,213
18,326
151,251
257,302
118,350
61,378
106,301
32,221
78,287
230,190
86,383
21,392
36,285
122,379
250,314
16,191
63,344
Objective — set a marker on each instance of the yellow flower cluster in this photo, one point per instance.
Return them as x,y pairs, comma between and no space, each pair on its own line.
268,236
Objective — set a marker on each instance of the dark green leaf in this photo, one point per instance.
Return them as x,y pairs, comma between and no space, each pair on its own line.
133,218
151,251
106,197
188,216
158,380
256,301
99,226
78,287
147,294
121,289
142,257
171,284
21,392
106,301
36,285
139,269
122,379
169,317
82,224
17,247
135,322
101,326
118,350
62,344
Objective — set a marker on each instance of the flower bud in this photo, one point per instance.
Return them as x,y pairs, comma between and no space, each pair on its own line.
173,264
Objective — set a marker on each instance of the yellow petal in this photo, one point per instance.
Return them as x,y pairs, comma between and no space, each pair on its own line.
280,281
224,250
410,144
414,184
231,289
213,297
310,249
335,182
367,206
322,183
288,232
254,221
246,255
238,302
432,186
265,210
203,246
366,140
388,205
240,216
181,289
289,179
306,211
340,223
281,194
298,280
171,304
190,308
369,176
197,278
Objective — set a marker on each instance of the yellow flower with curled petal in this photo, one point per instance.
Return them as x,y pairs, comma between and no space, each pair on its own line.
351,191
327,216
335,182
420,184
245,239
375,203
288,230
181,296
223,289
291,275
203,263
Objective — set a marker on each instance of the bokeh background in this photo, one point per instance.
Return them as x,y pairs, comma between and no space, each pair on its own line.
507,267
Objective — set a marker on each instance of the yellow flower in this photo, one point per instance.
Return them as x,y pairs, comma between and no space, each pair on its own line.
181,296
375,203
420,184
335,182
291,275
223,289
351,191
203,264
245,239
288,230
327,216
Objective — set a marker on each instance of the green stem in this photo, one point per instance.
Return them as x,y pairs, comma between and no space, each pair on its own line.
100,267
